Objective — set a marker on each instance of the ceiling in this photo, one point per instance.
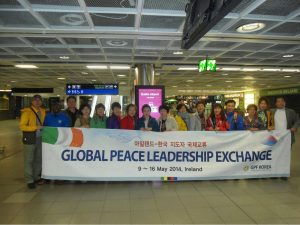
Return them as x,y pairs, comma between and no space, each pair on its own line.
128,32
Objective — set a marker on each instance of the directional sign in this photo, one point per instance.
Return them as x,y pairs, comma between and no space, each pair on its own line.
92,89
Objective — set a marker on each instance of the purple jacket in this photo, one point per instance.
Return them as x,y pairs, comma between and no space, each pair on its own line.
113,122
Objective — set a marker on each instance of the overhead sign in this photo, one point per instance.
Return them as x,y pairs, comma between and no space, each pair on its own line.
105,154
207,65
92,89
285,91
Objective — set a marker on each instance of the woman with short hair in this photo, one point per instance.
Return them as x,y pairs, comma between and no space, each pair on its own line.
84,118
165,121
129,121
182,117
99,119
252,121
146,122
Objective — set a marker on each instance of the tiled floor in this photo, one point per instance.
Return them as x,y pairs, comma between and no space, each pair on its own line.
265,201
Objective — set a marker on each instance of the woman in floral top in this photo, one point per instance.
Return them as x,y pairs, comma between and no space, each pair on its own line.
265,114
252,121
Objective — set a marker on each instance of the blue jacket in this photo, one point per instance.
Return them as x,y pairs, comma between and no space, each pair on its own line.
152,123
113,122
57,120
235,124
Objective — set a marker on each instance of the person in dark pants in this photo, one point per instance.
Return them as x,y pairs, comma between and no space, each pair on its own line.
285,118
72,111
31,123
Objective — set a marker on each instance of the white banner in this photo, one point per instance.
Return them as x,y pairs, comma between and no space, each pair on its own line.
104,154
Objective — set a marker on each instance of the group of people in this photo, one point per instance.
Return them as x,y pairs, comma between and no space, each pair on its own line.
259,117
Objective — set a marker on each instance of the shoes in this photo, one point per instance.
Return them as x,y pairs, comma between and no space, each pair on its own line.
40,182
31,185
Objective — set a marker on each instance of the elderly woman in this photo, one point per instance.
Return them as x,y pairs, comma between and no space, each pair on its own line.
252,121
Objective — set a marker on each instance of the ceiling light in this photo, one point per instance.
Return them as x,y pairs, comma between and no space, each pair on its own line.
208,85
58,95
287,76
251,27
177,53
26,66
187,68
271,70
7,90
121,75
116,43
288,56
230,69
157,74
228,81
72,19
61,78
122,83
96,67
94,80
290,70
120,67
250,69
248,78
64,57
174,86
84,73
224,74
190,81
13,81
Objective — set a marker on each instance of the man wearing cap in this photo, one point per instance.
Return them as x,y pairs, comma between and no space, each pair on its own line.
31,122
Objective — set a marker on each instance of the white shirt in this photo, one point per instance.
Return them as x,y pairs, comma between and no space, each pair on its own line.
280,119
146,121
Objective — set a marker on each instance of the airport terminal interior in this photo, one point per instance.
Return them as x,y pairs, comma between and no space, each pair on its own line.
54,48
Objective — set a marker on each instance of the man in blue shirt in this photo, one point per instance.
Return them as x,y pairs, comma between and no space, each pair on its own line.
235,121
56,118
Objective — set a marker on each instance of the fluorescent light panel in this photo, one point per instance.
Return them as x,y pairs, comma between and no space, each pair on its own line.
119,67
187,68
26,66
96,67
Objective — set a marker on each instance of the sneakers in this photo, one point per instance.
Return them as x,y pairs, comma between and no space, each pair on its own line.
31,185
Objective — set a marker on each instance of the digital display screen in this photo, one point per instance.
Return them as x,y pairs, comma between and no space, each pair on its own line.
207,65
153,96
92,89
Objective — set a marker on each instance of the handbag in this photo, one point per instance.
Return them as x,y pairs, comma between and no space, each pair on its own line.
29,137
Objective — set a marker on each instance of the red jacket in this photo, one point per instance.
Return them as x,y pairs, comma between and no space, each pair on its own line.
128,123
219,123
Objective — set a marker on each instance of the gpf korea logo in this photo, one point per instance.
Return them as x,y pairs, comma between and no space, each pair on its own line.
246,168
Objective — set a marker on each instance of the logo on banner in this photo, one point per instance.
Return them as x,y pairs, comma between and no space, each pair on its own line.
246,168
71,137
271,140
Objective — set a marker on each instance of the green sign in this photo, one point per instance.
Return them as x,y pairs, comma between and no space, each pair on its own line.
285,91
207,65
